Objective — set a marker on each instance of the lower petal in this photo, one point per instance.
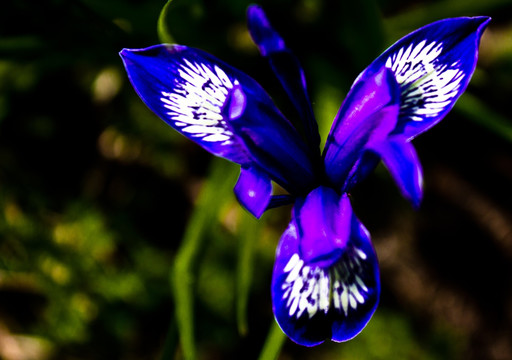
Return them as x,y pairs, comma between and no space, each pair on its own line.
356,286
313,303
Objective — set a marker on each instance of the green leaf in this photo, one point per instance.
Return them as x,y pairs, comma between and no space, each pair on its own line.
249,234
217,187
163,30
478,112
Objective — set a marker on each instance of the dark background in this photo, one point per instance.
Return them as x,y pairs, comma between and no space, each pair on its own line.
96,192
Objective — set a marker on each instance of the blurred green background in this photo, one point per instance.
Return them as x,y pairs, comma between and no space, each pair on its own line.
120,239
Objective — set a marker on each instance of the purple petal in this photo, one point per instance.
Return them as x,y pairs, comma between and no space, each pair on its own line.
323,223
368,114
317,299
221,109
288,70
253,190
363,167
433,66
401,159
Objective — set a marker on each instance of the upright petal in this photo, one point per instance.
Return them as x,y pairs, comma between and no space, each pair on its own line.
433,66
368,114
327,288
288,70
262,33
221,109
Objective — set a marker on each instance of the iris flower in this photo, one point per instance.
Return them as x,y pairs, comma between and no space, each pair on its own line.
325,282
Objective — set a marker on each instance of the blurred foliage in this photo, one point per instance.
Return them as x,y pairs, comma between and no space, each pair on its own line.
120,239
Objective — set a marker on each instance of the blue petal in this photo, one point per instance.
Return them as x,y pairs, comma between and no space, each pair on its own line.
314,300
221,109
401,159
288,70
368,114
433,66
253,190
189,92
356,285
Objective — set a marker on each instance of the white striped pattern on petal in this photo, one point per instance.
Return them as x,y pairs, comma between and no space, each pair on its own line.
427,86
309,289
196,101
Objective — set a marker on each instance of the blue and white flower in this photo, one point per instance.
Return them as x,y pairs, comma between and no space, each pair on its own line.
325,282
